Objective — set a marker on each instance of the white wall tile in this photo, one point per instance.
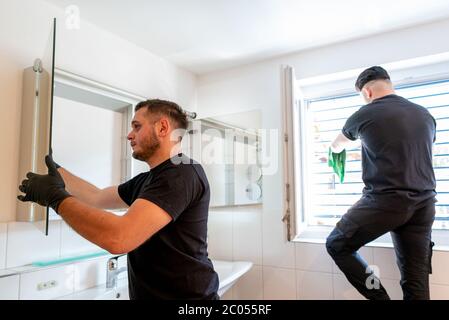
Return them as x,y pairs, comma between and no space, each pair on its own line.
72,243
64,277
279,283
313,257
277,250
343,290
439,292
247,235
440,264
9,288
365,252
220,235
385,260
250,285
89,273
384,239
27,244
228,295
3,238
393,288
314,285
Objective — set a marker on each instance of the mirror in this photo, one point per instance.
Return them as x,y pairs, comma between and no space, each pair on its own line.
84,122
228,147
90,125
36,119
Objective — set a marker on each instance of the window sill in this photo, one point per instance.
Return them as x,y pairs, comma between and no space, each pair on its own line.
318,234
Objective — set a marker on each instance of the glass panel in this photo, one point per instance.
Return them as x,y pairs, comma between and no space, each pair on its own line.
49,65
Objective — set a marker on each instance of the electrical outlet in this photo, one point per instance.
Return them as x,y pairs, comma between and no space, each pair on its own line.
47,285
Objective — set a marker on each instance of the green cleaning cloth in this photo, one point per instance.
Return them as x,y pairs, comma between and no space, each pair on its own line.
337,162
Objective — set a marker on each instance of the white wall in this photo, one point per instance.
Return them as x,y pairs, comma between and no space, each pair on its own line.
90,52
296,271
87,140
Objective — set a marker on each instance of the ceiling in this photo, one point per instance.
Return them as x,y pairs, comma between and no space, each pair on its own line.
207,35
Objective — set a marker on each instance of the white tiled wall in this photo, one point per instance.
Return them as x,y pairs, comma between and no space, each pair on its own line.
250,286
69,278
439,292
72,243
27,244
277,251
279,283
220,235
313,257
9,288
3,234
247,236
234,234
385,260
299,270
393,288
89,274
228,295
22,243
62,276
343,290
440,267
314,285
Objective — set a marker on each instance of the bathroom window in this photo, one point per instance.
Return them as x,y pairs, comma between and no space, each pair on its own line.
325,198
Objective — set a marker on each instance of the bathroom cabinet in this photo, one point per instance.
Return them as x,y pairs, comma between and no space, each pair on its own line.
36,125
229,148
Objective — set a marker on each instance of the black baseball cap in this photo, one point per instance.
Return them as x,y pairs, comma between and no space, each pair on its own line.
370,74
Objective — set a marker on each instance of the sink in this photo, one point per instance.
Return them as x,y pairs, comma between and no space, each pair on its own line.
228,274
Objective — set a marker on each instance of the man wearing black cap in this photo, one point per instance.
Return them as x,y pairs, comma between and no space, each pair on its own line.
399,194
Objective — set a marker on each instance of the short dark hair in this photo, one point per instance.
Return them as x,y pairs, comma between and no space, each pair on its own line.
166,108
370,74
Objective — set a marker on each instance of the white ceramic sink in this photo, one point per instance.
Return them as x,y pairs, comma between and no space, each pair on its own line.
120,292
228,274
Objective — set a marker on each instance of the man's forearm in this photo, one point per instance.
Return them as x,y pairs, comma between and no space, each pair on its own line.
96,225
80,188
340,143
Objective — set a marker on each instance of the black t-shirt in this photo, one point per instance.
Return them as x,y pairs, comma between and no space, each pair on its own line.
173,263
397,137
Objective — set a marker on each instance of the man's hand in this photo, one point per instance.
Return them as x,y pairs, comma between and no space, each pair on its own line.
340,143
46,190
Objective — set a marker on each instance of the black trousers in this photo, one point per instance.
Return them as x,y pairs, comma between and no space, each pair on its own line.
411,234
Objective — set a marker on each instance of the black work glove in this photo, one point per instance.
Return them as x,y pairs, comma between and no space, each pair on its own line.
51,155
48,190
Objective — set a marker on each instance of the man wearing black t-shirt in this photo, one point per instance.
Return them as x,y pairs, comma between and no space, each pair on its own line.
164,231
399,194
